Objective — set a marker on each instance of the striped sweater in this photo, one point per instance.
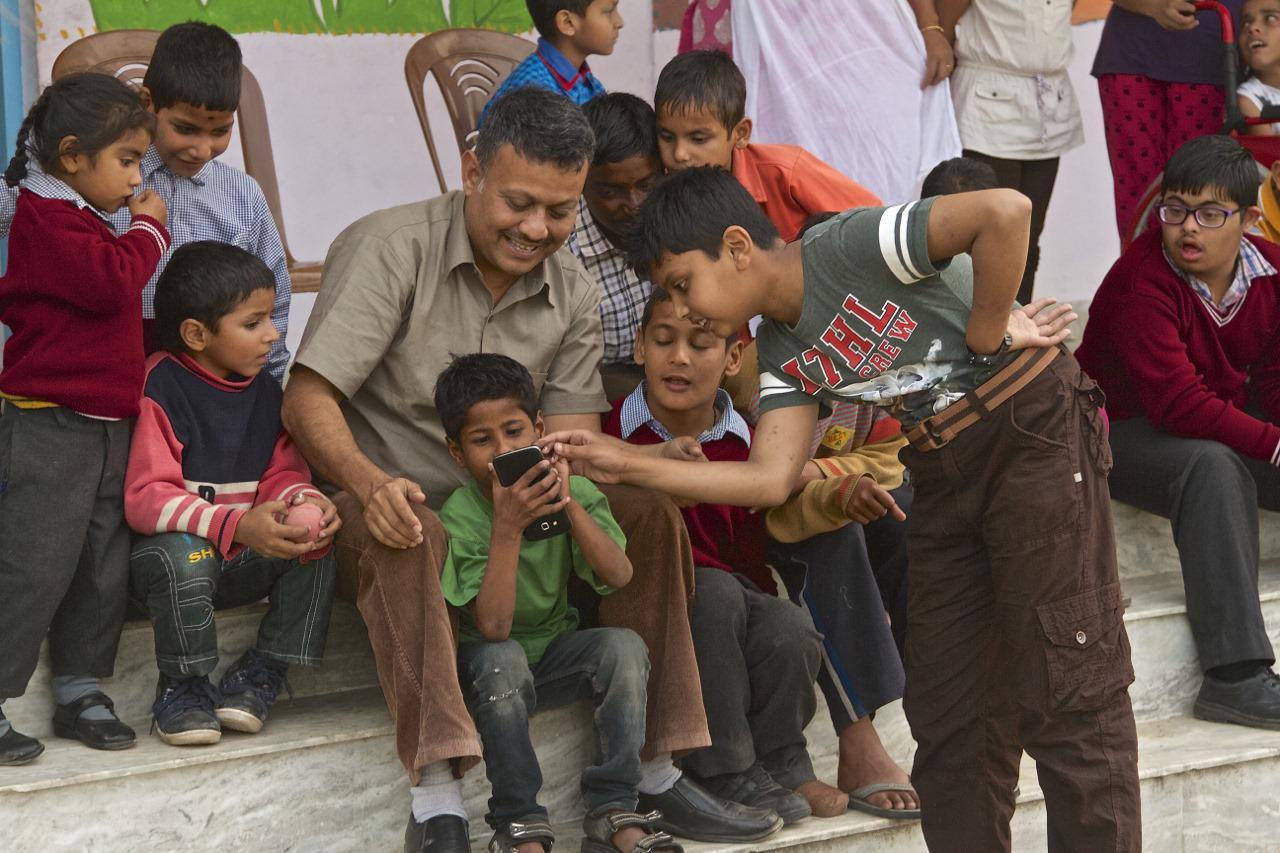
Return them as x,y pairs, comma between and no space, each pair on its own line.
206,450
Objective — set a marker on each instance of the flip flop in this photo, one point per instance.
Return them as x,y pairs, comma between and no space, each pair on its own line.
858,801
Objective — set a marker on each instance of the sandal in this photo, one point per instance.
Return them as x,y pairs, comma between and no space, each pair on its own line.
858,801
528,828
599,828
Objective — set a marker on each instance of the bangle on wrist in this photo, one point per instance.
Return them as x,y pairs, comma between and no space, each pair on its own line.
937,27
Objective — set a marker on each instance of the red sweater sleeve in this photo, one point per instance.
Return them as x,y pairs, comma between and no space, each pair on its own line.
1172,393
156,499
101,274
287,475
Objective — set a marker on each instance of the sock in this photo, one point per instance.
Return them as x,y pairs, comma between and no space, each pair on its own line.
1233,672
69,688
658,775
437,793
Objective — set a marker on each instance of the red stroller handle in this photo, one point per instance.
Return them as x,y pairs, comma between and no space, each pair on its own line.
1224,15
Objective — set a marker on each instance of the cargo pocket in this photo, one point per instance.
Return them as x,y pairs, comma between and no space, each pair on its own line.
1087,649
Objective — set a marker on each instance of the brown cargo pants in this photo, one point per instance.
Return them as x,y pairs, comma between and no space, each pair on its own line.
1015,637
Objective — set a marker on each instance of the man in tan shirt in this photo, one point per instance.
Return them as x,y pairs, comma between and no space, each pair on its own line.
404,290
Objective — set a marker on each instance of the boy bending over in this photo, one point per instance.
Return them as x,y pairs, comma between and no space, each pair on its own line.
1015,637
519,647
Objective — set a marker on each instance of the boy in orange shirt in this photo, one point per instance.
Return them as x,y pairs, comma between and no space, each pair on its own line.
700,102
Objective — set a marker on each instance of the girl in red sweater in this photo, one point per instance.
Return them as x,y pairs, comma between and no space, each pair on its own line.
69,389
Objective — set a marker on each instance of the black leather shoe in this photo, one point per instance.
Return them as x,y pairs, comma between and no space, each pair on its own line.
691,811
444,833
99,734
1253,702
17,748
755,787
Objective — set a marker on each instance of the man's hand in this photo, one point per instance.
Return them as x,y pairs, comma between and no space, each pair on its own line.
1171,14
259,530
592,455
531,497
147,203
870,501
1038,325
389,516
329,522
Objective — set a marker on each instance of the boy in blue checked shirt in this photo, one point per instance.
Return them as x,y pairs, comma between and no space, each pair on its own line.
570,31
192,85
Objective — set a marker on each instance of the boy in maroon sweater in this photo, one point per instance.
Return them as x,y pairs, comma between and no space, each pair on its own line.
758,655
1183,339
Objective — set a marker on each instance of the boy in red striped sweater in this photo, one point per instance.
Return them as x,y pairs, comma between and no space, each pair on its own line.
1184,339
211,473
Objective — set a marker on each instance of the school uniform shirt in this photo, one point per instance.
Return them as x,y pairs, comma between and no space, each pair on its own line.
623,293
880,322
206,450
1160,347
542,610
71,298
402,295
1259,93
729,538
548,68
791,185
1011,86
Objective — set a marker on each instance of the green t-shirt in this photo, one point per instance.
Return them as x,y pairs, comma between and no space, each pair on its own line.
542,603
880,323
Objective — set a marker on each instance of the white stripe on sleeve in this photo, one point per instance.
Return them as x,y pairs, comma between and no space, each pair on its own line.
893,243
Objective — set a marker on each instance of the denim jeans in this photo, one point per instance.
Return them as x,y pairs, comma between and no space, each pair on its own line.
608,665
181,579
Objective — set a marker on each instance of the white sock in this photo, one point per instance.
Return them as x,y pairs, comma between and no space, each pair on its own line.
658,775
437,793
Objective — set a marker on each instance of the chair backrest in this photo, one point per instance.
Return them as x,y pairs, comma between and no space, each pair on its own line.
468,66
126,54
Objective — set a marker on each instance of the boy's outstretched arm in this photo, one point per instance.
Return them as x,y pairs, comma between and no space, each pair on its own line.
778,452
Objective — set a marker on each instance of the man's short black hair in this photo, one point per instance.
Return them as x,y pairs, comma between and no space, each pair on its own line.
542,126
197,64
1217,163
691,209
703,80
478,378
205,281
544,12
959,175
623,126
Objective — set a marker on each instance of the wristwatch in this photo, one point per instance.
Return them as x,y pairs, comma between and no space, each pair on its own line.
983,360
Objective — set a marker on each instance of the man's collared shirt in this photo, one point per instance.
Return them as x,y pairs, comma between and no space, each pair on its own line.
623,294
635,414
224,204
1251,265
548,68
402,296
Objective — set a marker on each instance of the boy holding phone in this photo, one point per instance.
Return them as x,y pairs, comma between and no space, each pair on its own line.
519,647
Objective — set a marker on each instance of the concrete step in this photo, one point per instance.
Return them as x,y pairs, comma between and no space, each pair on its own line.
348,664
1144,542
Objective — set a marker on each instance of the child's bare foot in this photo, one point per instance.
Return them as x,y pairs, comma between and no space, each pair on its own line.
863,761
824,800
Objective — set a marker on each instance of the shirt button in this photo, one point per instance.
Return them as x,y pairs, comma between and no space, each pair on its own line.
1081,638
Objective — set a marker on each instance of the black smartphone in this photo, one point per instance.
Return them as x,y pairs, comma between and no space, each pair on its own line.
511,466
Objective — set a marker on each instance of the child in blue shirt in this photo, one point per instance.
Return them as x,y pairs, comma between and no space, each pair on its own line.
570,31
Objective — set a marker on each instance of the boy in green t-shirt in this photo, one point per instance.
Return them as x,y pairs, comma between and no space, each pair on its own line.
1015,636
519,647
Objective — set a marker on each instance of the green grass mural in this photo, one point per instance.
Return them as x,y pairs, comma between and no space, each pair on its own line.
334,17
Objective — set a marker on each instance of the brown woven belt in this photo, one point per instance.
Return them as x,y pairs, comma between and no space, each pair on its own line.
940,429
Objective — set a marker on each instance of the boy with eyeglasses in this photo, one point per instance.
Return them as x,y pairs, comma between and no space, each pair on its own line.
1184,339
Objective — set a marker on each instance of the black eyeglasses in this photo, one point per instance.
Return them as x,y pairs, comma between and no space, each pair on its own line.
1207,217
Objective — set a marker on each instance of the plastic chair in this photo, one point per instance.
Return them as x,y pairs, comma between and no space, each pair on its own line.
468,66
126,53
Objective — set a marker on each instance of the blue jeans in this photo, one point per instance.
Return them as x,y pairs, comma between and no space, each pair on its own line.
608,665
181,579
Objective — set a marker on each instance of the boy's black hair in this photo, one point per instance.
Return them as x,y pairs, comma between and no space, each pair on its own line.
1217,163
197,64
97,109
691,209
623,126
205,281
542,126
959,175
544,12
478,378
703,80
